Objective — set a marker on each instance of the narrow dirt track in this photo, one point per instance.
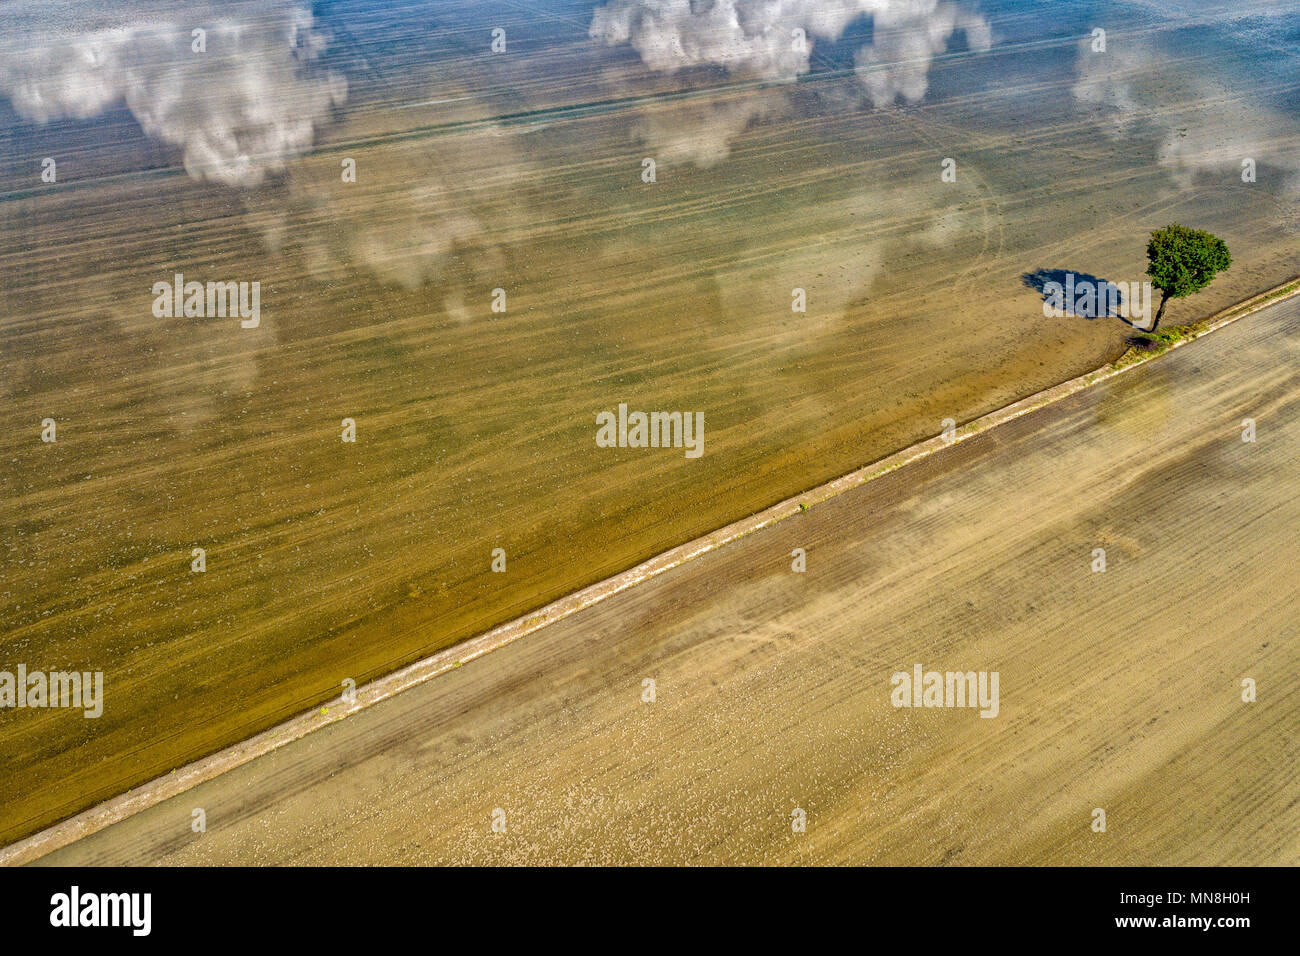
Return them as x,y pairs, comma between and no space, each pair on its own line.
1118,690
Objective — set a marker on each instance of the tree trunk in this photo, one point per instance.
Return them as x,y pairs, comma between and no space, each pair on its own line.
1159,312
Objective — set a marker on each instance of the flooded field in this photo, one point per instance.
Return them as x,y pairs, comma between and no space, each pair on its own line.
459,251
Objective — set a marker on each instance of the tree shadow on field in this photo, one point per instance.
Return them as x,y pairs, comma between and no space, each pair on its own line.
1080,294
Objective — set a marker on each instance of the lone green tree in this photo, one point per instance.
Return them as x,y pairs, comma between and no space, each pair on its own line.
1182,261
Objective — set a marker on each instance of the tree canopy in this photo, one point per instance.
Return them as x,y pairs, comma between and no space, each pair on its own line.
1182,261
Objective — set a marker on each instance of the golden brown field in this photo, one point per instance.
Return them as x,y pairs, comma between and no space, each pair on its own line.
328,560
1119,690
